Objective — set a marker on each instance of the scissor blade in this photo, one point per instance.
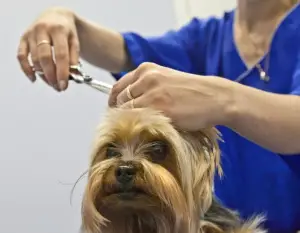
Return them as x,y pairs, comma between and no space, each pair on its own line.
100,86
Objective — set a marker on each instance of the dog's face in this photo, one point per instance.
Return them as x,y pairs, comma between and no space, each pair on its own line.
146,176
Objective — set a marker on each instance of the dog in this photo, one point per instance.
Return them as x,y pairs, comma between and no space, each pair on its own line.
147,176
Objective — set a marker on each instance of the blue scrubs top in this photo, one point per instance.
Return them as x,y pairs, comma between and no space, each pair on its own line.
256,180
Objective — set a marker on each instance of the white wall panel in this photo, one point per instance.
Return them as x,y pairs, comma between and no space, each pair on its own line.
185,9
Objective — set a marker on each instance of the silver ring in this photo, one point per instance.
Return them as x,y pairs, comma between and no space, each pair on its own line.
43,42
129,93
39,73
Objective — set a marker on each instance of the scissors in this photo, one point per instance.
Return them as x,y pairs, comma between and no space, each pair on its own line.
79,76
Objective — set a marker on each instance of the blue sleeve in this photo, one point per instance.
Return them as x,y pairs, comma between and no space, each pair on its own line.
295,87
181,49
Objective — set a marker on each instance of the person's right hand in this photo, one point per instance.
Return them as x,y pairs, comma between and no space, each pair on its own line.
55,27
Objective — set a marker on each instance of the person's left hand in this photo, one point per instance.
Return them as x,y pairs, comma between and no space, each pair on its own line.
191,101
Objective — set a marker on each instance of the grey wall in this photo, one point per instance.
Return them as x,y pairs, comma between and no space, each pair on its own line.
45,136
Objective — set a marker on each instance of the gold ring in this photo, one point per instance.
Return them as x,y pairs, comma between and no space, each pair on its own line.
132,103
43,42
128,92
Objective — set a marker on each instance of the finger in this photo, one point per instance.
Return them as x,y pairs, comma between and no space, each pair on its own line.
122,83
23,52
34,57
74,50
125,96
61,54
139,102
33,53
44,53
132,91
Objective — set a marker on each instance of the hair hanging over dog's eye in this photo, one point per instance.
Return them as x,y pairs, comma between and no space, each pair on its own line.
112,151
158,150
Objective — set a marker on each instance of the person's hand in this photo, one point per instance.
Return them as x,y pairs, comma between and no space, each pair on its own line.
55,27
191,101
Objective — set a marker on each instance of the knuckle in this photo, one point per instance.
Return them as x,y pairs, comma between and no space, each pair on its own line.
45,57
40,26
157,98
57,28
60,56
27,34
159,102
21,56
115,90
152,77
143,67
148,65
161,96
113,99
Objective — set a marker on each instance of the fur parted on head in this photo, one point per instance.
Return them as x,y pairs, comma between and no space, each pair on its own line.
146,176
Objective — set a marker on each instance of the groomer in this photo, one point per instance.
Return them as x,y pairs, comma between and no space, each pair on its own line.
240,72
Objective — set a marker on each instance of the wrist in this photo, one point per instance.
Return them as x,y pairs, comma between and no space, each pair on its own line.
228,97
239,106
101,46
79,23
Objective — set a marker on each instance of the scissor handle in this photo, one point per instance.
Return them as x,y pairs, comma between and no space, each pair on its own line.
77,75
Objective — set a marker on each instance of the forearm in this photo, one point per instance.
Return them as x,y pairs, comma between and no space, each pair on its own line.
270,120
102,47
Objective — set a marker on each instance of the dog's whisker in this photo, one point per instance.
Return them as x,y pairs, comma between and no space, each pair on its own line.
60,182
76,182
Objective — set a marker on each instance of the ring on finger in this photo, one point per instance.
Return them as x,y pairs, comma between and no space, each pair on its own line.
132,103
43,42
38,72
129,95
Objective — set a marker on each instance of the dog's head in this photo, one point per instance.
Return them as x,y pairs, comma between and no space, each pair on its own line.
147,176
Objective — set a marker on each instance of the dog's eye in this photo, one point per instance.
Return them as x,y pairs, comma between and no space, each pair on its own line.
158,150
112,152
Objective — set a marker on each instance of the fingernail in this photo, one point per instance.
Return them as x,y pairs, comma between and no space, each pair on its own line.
56,87
62,85
31,78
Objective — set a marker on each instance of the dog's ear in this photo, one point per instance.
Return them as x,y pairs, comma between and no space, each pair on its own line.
205,144
204,156
209,140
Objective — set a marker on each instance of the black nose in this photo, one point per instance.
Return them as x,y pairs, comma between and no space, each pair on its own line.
125,173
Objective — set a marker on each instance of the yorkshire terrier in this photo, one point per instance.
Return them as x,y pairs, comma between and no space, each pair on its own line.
147,176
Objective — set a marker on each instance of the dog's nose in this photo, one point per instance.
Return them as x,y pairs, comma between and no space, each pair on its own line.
125,173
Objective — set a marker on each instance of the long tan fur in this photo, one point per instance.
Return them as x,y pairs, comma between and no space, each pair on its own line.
177,191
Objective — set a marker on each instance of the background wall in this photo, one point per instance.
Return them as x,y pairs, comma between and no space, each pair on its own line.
45,136
185,9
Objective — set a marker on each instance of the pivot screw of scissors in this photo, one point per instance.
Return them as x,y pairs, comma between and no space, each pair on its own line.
87,78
